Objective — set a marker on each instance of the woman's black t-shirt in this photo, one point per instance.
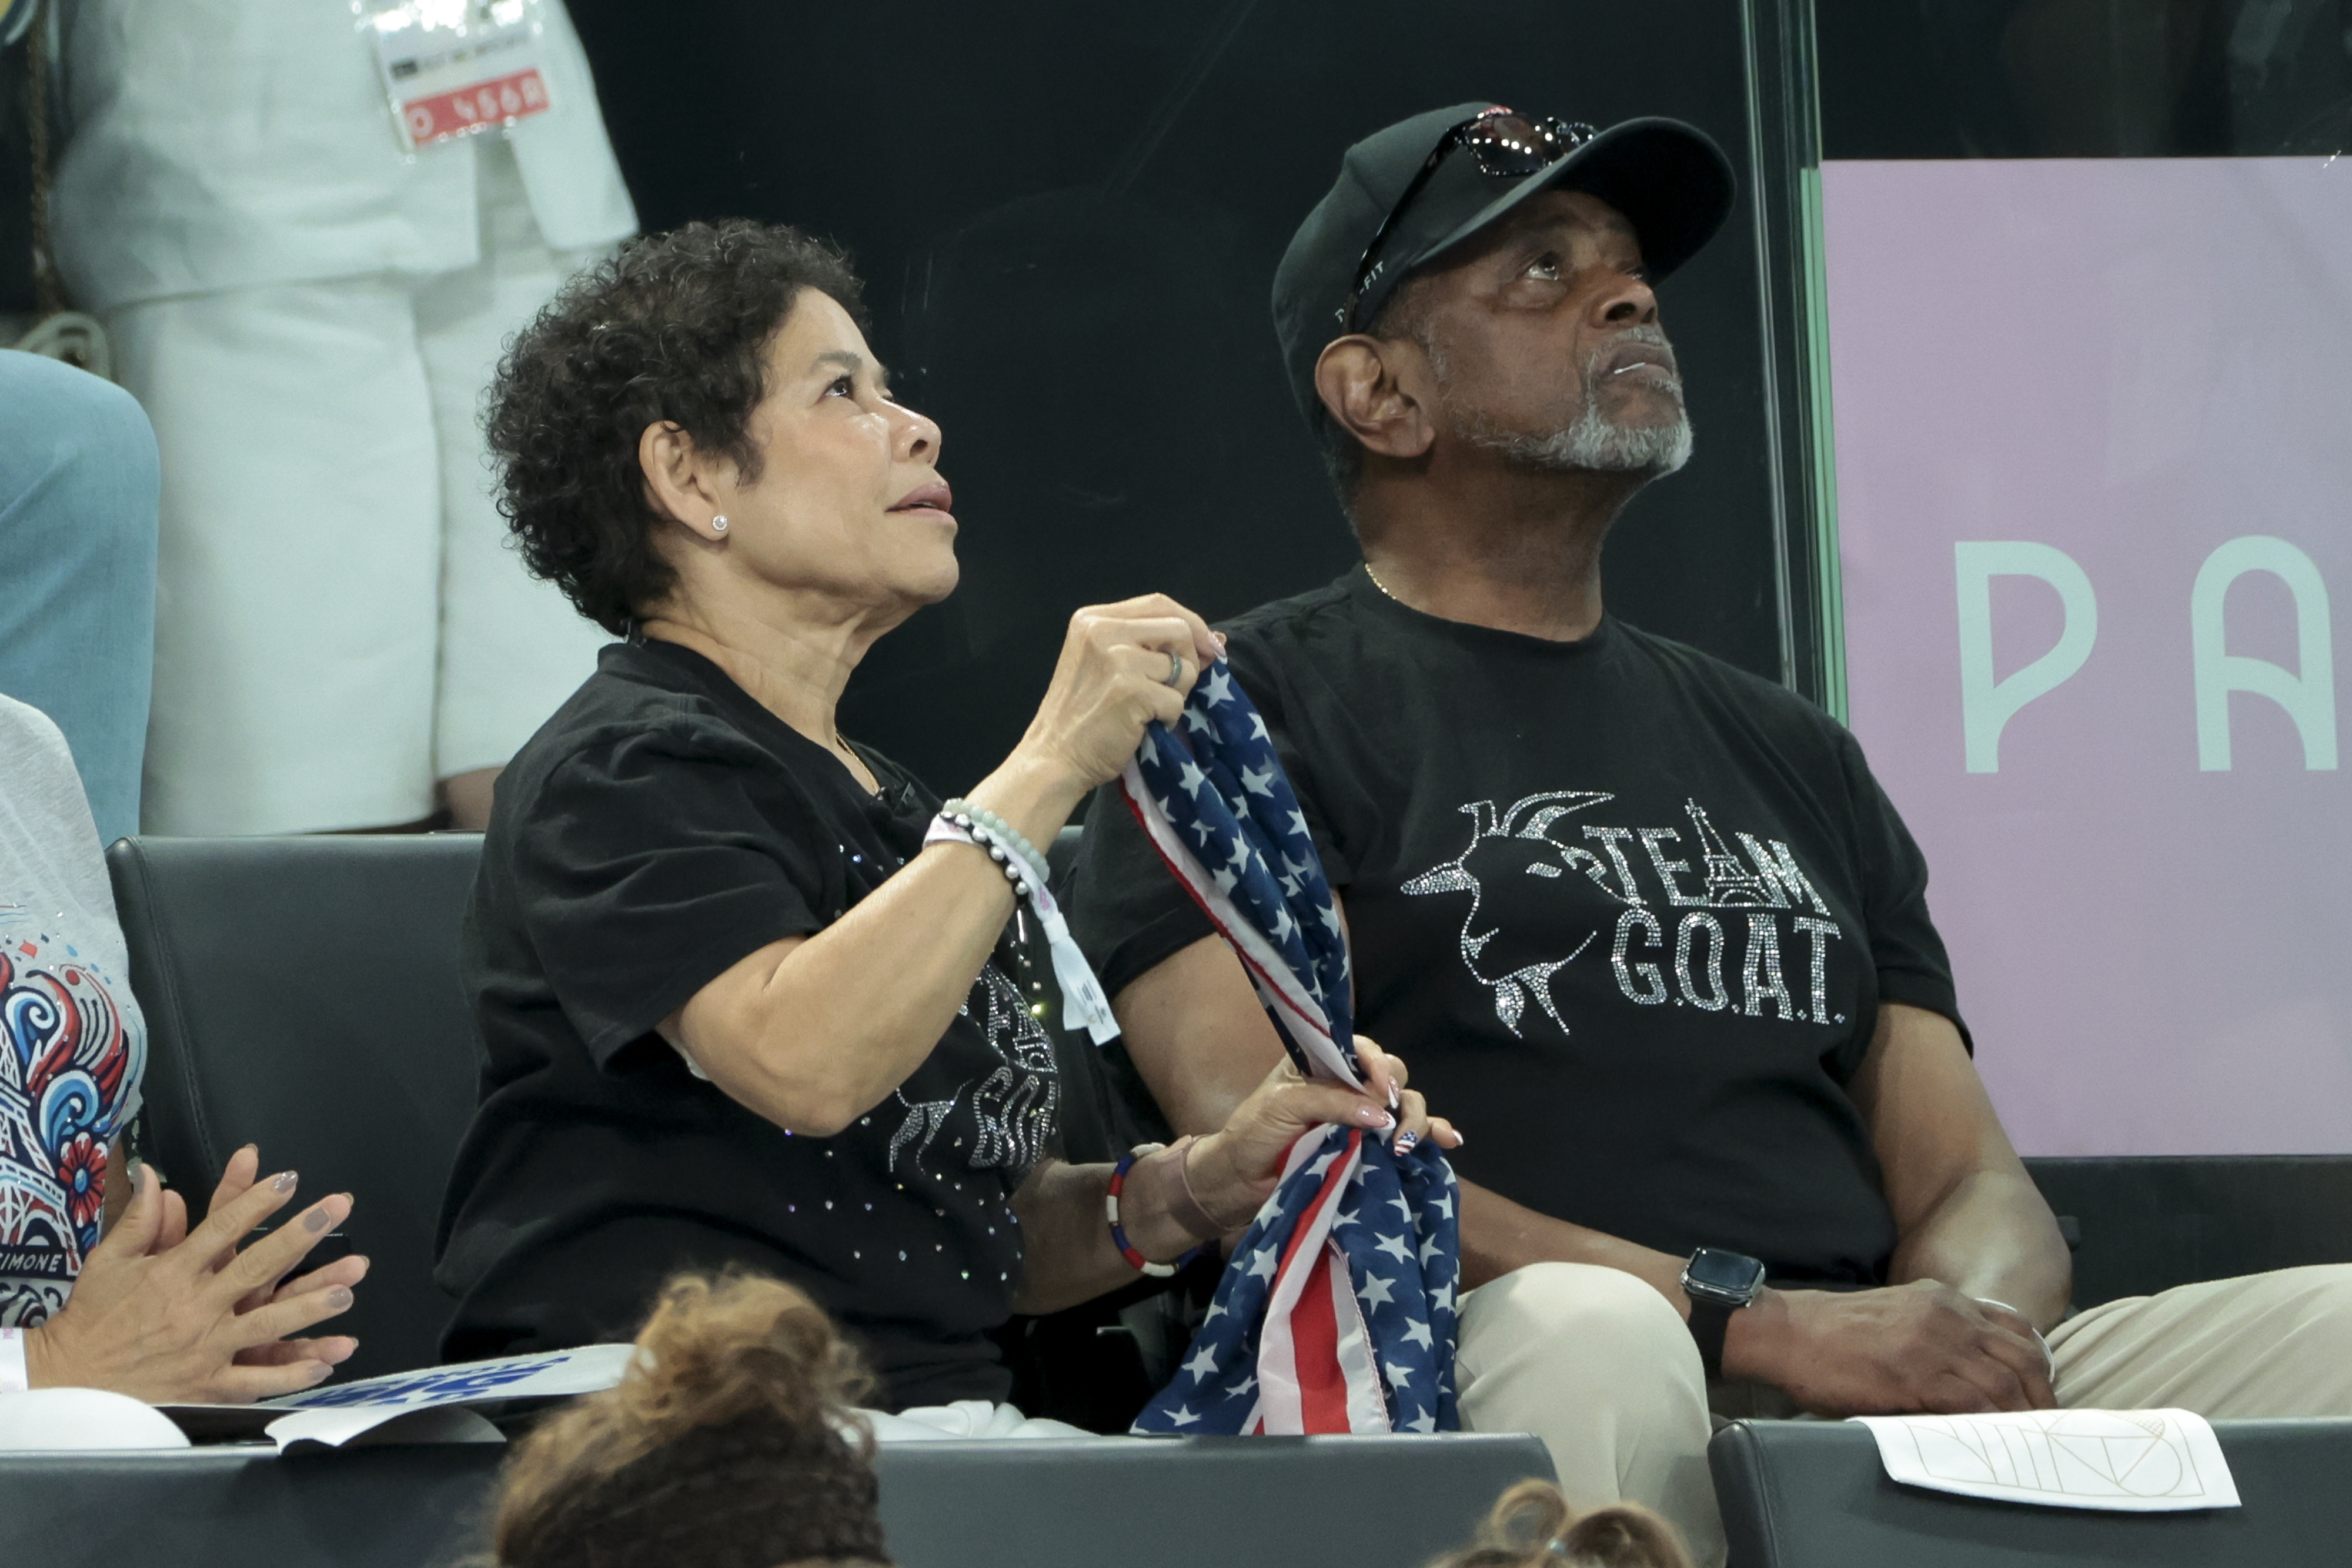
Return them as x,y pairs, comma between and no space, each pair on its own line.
1628,912
659,828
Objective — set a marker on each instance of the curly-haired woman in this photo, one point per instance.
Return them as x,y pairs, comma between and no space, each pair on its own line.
1532,1526
738,977
732,1440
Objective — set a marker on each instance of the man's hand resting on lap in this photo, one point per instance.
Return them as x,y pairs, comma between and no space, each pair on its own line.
1920,1348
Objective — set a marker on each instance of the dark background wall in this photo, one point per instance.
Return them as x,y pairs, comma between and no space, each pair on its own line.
2085,78
1069,215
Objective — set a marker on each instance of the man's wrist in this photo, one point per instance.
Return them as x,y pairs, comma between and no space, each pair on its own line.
1754,1339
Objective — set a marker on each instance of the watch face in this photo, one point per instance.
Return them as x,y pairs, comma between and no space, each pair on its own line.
1729,1276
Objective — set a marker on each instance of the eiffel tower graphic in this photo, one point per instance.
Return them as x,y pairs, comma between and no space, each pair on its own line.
1729,883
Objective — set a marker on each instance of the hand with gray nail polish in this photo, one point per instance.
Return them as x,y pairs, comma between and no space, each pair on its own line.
168,1314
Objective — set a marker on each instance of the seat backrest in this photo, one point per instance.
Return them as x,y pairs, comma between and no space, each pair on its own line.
1797,1494
2145,1223
302,993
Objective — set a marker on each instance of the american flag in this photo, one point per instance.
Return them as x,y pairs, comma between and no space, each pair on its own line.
1337,1313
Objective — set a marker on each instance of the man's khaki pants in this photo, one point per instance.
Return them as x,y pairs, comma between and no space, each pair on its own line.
1596,1365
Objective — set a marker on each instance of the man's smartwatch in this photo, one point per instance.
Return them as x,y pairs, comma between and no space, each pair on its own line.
1718,1284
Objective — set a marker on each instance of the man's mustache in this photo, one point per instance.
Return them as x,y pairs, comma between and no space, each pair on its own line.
1648,336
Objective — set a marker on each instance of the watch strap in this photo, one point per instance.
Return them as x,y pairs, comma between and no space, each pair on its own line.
1709,1318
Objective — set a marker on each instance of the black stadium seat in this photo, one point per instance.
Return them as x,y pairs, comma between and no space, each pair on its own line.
1804,1494
2145,1223
302,994
1165,1502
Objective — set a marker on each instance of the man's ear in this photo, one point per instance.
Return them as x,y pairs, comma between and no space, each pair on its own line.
677,484
1357,379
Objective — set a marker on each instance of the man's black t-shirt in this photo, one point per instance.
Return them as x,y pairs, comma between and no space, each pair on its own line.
661,826
1629,912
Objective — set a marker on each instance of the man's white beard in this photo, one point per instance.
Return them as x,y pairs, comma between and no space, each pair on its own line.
1594,442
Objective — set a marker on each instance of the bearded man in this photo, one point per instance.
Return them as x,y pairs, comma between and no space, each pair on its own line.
1644,923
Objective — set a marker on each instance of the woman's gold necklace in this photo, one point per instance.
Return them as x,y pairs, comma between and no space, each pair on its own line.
1377,582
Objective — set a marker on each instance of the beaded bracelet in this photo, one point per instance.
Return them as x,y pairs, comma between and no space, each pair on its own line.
1118,1232
983,837
964,813
1084,1005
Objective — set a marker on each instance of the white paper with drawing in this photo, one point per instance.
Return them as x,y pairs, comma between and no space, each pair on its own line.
2136,1461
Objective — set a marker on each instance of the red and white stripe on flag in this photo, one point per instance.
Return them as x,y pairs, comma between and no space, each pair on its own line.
1315,1365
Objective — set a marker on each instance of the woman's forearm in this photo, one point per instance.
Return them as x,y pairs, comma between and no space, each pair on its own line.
813,1033
1065,1230
1068,1256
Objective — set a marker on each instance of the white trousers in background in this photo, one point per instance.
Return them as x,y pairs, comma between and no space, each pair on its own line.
1596,1365
338,621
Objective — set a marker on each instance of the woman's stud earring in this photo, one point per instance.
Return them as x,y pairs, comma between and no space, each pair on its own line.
719,524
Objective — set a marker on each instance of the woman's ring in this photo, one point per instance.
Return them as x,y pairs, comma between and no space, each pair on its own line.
1175,670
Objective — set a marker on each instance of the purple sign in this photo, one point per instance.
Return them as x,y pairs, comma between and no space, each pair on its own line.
2094,501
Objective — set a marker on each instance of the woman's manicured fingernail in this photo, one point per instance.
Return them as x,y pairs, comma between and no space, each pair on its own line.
1405,1142
283,1181
1395,1098
250,1149
339,1297
318,1219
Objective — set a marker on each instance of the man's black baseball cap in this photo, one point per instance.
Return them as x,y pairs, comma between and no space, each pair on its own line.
1670,180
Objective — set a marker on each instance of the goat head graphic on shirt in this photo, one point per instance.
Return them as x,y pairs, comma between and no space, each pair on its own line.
1511,945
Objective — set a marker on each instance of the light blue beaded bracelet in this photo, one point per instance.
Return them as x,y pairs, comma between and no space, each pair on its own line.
965,814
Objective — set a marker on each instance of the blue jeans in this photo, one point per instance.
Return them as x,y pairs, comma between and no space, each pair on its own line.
78,489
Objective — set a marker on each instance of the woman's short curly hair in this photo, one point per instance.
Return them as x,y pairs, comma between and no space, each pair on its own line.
730,1443
673,328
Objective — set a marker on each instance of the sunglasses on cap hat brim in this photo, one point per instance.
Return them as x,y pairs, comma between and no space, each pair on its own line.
1504,144
1669,180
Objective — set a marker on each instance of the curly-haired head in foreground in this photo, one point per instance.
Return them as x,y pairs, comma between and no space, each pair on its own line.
723,1447
1533,1526
671,330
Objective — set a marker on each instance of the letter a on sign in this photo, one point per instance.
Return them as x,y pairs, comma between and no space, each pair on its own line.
2308,695
1986,705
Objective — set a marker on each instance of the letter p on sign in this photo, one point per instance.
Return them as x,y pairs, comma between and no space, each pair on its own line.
1987,704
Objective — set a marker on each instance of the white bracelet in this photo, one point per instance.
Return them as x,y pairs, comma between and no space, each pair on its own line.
1084,1005
2048,1359
15,1378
